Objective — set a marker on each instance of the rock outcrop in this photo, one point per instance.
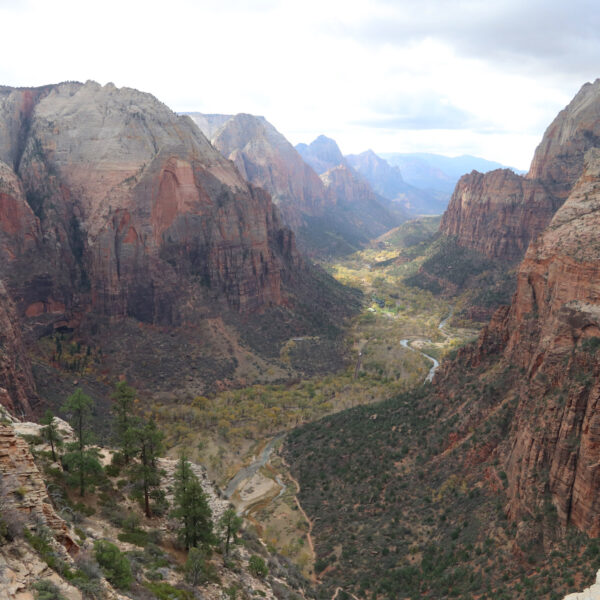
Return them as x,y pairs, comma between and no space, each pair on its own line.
551,335
23,492
17,387
114,208
499,213
321,212
321,154
387,181
266,159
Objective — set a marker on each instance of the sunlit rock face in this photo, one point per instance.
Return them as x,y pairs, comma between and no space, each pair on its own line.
498,213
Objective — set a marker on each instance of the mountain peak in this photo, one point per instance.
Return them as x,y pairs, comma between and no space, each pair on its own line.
321,154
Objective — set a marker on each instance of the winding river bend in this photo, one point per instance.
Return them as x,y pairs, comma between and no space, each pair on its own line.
435,363
253,467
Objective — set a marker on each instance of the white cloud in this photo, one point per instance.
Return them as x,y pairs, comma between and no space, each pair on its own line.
447,76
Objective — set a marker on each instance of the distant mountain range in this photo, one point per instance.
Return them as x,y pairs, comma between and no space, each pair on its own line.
437,172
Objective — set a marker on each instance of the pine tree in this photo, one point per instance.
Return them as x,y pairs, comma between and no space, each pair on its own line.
123,399
81,462
50,433
145,474
230,524
191,508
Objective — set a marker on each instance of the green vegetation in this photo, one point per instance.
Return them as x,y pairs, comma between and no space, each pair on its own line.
50,433
114,564
145,474
257,567
229,524
191,509
81,461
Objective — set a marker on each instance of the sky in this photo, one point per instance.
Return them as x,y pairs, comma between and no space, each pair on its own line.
446,76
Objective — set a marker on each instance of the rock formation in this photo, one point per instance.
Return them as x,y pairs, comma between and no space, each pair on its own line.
387,181
17,388
113,207
499,213
266,159
23,492
320,213
551,334
321,154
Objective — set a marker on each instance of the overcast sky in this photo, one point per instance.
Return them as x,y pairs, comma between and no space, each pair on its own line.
447,76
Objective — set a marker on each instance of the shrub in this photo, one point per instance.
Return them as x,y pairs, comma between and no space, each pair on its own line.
257,567
46,590
114,564
165,591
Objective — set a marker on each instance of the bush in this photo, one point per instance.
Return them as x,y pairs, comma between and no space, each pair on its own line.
114,564
257,567
165,591
46,590
197,569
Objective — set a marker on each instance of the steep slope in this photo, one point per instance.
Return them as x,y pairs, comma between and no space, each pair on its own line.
321,154
117,212
266,159
326,221
17,388
508,210
552,332
387,181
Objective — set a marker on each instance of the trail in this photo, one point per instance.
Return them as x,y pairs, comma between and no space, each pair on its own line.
338,590
302,511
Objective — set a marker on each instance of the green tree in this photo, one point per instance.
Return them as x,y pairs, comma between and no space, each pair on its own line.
81,462
145,474
191,508
229,524
50,433
123,399
114,564
257,566
197,568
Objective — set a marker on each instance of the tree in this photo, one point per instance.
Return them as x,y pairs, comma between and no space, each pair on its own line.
257,567
230,524
50,433
197,568
114,564
123,399
81,462
145,473
191,508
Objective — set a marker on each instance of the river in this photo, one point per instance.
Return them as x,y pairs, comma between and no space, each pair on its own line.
434,361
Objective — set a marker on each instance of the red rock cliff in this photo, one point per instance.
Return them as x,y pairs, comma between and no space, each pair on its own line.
139,215
551,332
499,213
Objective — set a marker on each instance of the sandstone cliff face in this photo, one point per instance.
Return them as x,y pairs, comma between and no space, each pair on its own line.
551,332
266,159
321,154
130,200
17,388
499,213
116,213
355,196
322,211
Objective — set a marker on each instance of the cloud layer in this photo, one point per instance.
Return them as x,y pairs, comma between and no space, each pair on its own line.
453,76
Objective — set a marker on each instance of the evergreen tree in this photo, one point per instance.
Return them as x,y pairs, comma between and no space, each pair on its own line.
191,508
230,524
123,399
145,474
81,462
50,433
